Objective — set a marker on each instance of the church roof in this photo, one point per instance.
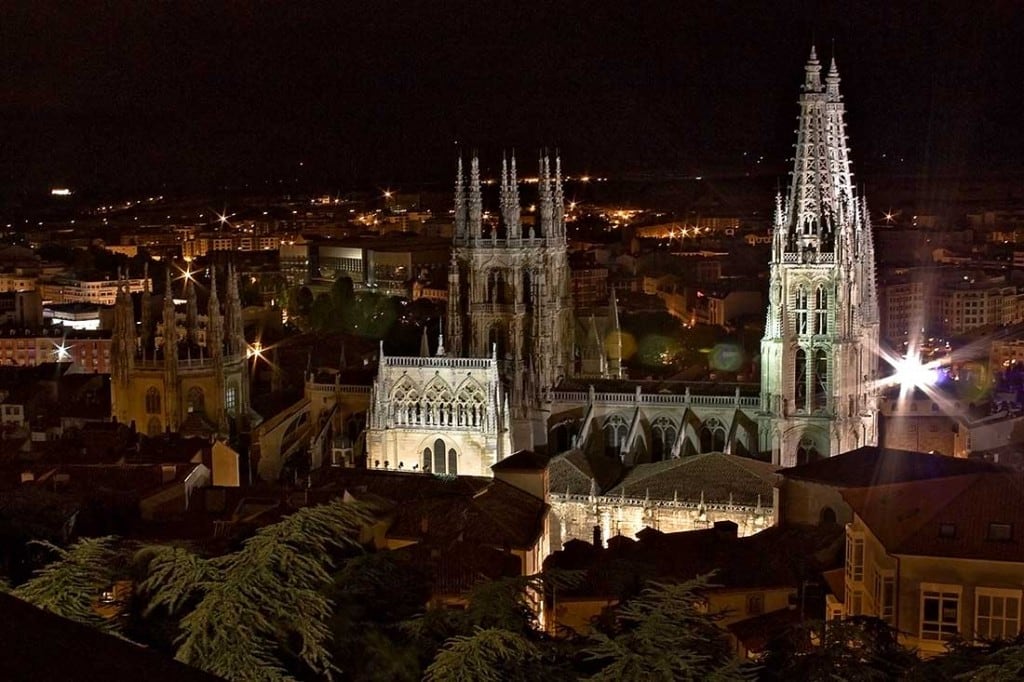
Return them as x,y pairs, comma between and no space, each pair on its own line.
715,476
573,472
952,517
872,465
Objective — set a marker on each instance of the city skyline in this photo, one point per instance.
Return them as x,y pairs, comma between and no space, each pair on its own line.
200,97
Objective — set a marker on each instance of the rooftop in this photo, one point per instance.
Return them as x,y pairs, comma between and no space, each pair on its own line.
872,465
975,516
714,476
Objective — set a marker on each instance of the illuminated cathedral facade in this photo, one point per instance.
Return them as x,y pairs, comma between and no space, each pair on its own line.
546,381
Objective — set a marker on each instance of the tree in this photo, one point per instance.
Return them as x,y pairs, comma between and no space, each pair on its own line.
69,585
982,662
664,634
858,648
491,655
261,612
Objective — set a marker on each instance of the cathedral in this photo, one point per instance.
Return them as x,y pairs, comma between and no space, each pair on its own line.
547,380
819,355
508,290
185,373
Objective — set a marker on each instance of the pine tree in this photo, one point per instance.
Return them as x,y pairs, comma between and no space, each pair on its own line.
260,613
664,634
70,584
488,655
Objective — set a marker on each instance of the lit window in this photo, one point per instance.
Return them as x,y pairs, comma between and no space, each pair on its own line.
854,556
940,612
885,595
996,613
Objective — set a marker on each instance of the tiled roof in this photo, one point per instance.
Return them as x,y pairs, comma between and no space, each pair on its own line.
719,477
872,465
775,557
570,473
950,517
476,509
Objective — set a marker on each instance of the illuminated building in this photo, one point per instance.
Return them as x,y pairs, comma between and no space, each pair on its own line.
178,385
819,352
509,292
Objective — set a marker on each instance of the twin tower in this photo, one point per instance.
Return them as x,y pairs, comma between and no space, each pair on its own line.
508,288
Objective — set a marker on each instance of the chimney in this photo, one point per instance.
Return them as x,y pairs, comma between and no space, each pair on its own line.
597,537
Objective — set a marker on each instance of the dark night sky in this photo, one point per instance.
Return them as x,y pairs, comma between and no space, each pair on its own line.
186,95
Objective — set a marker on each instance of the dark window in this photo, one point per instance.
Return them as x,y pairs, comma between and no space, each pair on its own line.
438,456
1000,531
755,604
453,462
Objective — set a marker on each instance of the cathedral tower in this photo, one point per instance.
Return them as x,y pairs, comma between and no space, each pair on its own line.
509,289
819,352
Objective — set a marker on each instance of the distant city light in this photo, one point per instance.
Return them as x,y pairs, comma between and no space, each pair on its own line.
60,192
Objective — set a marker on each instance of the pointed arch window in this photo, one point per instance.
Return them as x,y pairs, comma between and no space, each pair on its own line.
712,436
807,451
821,311
800,380
801,311
821,382
615,431
663,437
153,401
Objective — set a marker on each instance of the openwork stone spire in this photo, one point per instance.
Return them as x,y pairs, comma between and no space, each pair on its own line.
819,352
821,199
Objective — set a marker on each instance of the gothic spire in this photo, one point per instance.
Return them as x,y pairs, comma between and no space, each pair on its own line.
558,199
460,203
545,204
191,309
476,204
821,193
440,337
832,80
214,322
509,198
424,344
170,322
123,337
147,311
615,337
233,314
812,73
